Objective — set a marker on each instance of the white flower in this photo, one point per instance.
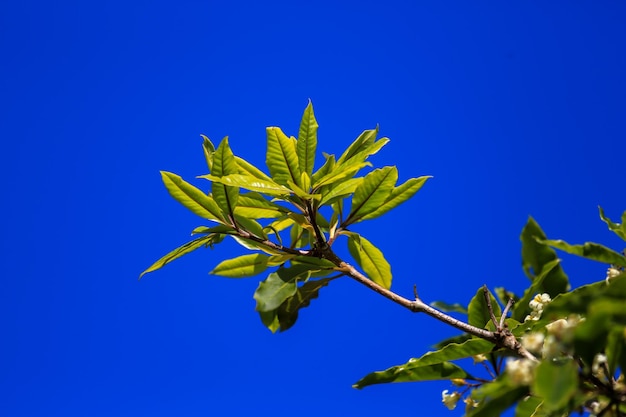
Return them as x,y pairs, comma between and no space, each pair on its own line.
533,341
598,364
450,400
536,305
520,371
611,273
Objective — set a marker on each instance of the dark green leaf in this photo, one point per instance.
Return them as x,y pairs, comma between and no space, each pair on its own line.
617,228
462,338
588,250
405,373
224,164
529,406
398,196
538,286
478,311
191,197
180,251
307,141
242,266
555,382
371,260
281,158
615,348
279,286
372,193
449,308
496,397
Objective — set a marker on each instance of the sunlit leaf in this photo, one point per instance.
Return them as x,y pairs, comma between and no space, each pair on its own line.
372,193
250,225
246,168
248,182
281,158
363,141
180,251
242,266
339,173
209,150
341,190
328,166
371,260
191,197
307,141
279,286
254,206
220,229
588,250
224,164
398,196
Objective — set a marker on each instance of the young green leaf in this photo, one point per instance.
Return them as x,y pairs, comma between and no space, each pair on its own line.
279,286
398,196
371,260
372,193
281,158
250,183
254,206
588,250
191,197
330,194
324,169
180,251
224,164
242,266
307,141
246,168
362,142
339,173
209,150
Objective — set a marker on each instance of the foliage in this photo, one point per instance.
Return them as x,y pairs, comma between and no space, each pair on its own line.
550,351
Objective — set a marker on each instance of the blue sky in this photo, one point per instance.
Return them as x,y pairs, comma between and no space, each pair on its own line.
515,108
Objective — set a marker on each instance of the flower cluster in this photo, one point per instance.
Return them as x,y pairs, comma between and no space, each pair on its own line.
537,305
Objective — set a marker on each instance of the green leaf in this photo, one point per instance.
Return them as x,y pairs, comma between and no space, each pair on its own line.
281,158
496,397
556,383
341,190
246,168
588,250
250,183
529,407
224,164
180,251
371,260
449,308
398,196
242,266
405,373
287,314
219,229
478,312
362,142
209,150
189,196
307,141
254,206
538,286
617,228
279,286
366,152
372,193
250,225
328,166
339,173
615,348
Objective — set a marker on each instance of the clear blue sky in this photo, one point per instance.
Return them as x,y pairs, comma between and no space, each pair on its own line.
515,108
